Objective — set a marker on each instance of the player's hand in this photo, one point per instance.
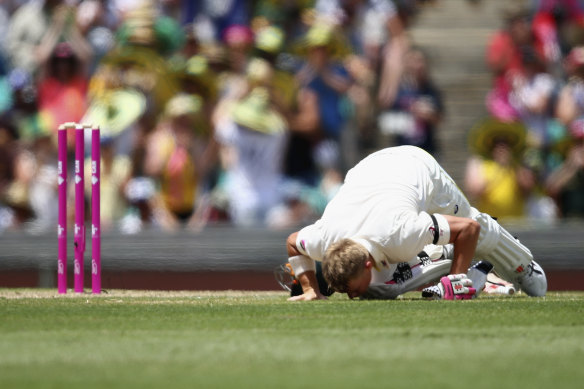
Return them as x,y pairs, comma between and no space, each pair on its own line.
308,295
451,287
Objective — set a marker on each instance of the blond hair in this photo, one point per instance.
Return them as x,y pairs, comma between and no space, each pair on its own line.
343,261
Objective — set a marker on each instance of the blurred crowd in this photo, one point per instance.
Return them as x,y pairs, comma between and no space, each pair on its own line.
528,157
249,112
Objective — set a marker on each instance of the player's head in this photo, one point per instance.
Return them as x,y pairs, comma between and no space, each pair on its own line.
347,268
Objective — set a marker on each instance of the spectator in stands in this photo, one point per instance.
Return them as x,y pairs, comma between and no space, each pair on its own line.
174,160
97,23
238,43
252,140
231,61
145,42
140,192
29,24
558,25
43,188
17,193
143,25
62,87
495,179
377,30
297,103
504,58
566,183
323,83
531,96
268,46
198,79
239,40
63,56
570,106
418,107
24,113
32,193
549,149
524,91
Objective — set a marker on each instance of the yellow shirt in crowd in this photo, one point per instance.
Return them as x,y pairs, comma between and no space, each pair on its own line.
502,197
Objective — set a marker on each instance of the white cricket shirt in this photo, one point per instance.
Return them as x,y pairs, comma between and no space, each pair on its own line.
386,203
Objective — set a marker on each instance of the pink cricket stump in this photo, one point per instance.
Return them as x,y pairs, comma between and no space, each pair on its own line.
79,232
95,212
62,222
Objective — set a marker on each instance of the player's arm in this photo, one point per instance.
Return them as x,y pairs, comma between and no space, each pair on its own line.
464,234
304,270
392,65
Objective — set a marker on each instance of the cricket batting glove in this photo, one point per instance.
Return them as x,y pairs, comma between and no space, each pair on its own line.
451,287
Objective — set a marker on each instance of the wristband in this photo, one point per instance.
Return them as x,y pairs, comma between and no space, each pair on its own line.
301,264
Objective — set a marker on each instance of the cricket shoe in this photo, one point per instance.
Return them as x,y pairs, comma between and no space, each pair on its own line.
532,280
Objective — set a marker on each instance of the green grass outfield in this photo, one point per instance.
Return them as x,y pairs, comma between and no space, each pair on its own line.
125,339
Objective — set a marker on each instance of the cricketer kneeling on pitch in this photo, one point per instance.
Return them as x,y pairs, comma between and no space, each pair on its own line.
391,206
